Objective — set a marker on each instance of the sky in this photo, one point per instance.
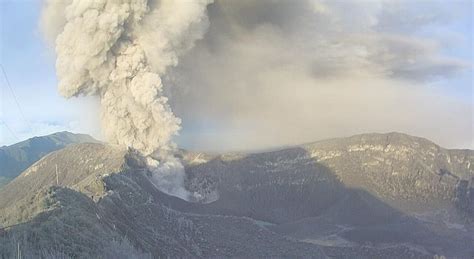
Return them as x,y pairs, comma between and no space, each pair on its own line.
275,73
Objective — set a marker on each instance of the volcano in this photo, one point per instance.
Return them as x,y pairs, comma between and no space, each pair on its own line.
372,195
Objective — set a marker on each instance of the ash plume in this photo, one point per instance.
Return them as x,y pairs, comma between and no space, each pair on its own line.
119,50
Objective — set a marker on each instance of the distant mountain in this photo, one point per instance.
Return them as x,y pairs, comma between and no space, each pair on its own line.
16,158
366,196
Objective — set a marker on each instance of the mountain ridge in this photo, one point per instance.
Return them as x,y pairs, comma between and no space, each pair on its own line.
18,157
319,198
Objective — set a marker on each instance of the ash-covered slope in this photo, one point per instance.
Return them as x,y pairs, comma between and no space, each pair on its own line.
409,173
14,159
79,167
102,201
380,189
317,200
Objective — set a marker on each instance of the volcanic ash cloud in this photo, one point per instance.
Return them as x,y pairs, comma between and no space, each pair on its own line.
119,50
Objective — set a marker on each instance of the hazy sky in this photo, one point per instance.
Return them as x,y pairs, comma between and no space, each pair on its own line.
271,73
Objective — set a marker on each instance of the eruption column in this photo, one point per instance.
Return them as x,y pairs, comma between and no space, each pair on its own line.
118,50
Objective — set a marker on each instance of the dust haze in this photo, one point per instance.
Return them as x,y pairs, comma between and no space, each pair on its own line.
273,73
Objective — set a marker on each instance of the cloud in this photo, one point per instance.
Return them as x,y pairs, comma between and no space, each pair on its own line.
271,73
415,59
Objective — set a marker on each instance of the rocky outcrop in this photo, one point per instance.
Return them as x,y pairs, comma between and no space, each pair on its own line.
464,198
404,171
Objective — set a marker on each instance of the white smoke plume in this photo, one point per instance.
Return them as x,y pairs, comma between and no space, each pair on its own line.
119,50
